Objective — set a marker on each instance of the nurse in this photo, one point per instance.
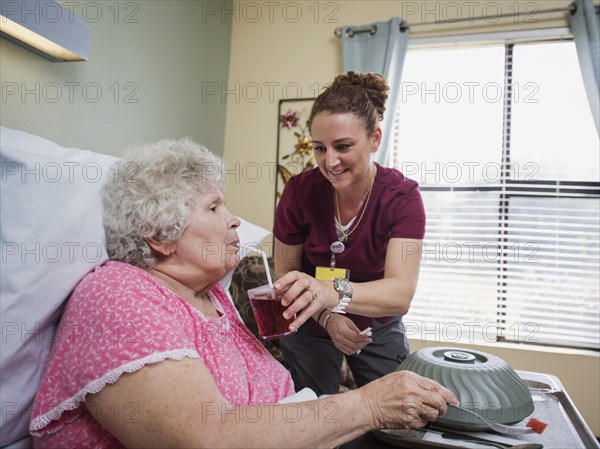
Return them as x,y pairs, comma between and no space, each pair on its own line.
352,231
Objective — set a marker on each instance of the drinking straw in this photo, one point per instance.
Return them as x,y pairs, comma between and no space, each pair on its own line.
266,263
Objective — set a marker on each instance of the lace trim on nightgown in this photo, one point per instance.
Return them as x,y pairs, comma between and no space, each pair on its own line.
97,385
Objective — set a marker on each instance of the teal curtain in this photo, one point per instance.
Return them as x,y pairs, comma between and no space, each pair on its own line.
585,25
378,47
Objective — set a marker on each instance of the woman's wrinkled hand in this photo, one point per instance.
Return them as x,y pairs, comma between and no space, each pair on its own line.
345,335
305,297
403,400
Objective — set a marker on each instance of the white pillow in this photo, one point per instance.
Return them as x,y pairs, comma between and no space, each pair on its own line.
51,235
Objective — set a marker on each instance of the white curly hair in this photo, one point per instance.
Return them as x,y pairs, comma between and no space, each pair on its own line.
150,193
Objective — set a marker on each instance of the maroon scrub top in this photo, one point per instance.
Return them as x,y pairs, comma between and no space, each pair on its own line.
305,215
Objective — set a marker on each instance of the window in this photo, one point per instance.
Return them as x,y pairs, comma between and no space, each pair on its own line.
504,148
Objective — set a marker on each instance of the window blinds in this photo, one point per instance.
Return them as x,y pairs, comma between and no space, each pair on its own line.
512,254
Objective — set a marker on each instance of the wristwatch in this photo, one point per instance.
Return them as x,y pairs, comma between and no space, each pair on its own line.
345,290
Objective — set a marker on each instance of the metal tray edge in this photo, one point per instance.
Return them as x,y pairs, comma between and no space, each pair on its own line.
579,424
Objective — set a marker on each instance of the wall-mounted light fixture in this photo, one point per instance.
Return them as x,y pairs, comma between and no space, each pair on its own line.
45,27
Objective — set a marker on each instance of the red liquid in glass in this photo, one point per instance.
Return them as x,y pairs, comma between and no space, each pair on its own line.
269,316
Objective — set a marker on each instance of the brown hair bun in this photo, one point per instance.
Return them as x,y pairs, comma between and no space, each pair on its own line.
363,94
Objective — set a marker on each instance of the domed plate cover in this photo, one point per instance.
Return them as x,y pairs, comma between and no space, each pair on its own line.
482,382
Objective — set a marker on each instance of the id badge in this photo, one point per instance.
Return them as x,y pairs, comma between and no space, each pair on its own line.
328,273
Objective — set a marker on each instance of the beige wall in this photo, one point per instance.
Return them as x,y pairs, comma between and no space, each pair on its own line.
149,62
275,50
288,50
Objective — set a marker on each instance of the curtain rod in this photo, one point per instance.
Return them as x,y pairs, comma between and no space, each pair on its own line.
404,25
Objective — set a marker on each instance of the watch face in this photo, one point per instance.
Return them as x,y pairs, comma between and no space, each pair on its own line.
344,287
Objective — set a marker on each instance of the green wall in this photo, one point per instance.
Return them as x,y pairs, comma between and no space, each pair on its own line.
149,64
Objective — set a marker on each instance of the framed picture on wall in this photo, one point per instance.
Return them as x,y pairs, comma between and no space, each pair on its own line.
294,145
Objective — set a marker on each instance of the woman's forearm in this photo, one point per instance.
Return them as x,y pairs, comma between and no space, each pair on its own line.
385,297
398,400
392,295
321,423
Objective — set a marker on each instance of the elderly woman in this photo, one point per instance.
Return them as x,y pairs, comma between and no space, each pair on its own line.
150,352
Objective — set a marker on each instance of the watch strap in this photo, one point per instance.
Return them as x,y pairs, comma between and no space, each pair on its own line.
344,297
341,307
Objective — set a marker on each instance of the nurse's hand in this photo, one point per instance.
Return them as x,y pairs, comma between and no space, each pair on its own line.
345,335
306,296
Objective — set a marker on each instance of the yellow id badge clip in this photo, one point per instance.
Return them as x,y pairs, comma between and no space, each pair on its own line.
328,273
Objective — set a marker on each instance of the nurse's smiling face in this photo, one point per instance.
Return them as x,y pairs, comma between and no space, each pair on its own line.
343,148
